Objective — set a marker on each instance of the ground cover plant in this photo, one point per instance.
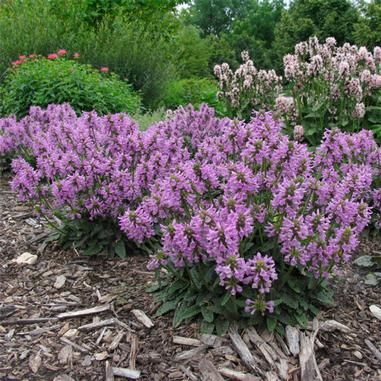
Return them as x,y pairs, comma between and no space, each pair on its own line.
55,79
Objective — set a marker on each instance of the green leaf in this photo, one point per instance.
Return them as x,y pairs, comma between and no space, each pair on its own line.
364,261
183,313
225,298
290,301
175,287
93,249
196,281
207,314
302,319
166,307
372,280
120,249
271,323
325,298
207,328
313,309
154,287
294,284
222,327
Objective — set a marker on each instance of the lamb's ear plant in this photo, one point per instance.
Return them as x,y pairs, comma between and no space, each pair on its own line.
323,86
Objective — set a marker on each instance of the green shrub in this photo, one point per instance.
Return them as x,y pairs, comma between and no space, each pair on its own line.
40,82
192,90
130,48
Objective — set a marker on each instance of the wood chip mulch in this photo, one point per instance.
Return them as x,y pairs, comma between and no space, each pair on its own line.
68,317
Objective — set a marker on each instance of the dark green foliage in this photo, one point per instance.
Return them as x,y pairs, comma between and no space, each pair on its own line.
191,53
195,292
368,30
255,31
41,82
322,18
193,90
97,237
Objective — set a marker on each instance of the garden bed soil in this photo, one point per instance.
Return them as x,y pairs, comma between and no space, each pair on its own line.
64,281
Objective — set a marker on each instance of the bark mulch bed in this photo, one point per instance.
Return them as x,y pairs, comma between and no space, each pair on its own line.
39,342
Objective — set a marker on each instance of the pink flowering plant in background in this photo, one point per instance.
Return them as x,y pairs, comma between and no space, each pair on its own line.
247,88
324,86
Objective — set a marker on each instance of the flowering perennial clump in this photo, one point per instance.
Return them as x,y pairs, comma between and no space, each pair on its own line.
249,186
237,206
247,88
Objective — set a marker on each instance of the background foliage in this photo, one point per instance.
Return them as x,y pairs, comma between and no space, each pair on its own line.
40,82
153,44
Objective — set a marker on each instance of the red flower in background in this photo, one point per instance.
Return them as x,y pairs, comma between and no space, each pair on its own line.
22,57
52,56
104,69
18,62
76,55
62,52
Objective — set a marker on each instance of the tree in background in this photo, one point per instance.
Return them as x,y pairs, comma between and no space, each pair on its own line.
368,30
216,16
322,18
255,32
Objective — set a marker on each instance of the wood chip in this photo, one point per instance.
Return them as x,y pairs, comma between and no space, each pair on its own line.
27,321
87,311
191,354
74,345
127,373
134,342
65,354
186,341
142,318
35,362
211,340
333,325
60,282
374,350
239,376
306,359
116,341
109,374
101,356
96,325
244,351
209,371
376,311
292,337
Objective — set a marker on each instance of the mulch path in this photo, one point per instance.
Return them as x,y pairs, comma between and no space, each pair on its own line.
64,281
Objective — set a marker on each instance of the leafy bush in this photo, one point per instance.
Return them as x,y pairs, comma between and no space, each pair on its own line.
193,91
129,46
41,81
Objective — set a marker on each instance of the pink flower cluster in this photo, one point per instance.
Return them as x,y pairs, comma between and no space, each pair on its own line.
342,77
248,85
52,56
215,190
